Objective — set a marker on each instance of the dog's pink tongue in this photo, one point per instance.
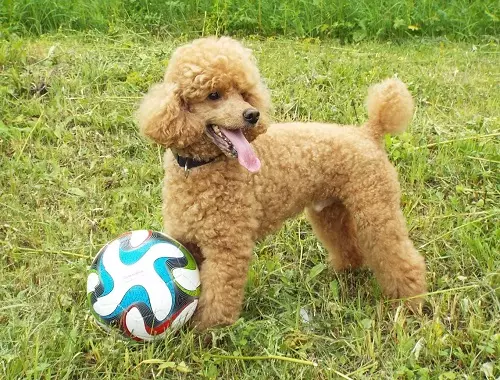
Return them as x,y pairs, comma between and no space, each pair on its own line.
246,155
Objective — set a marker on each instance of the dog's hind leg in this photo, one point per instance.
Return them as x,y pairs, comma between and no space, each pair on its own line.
334,227
382,234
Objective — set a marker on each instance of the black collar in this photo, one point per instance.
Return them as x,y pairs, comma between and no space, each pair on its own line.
188,163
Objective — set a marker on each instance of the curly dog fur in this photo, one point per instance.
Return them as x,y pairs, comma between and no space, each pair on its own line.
340,175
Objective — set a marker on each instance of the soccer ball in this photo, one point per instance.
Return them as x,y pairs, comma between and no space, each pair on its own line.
144,283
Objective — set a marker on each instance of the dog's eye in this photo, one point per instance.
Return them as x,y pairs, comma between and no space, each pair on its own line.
214,96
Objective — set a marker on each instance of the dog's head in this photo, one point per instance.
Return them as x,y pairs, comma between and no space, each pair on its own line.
212,101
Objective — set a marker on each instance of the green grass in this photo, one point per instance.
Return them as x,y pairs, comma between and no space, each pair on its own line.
74,173
343,19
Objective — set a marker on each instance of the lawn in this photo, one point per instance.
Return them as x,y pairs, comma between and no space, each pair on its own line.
74,173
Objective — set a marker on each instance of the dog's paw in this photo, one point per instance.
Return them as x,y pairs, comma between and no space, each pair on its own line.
204,319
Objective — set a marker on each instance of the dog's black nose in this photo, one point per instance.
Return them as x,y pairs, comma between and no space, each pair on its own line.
251,115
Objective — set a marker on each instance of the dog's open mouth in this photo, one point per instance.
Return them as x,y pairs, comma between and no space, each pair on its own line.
234,144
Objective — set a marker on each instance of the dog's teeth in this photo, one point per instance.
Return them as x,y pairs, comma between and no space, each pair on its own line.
217,131
221,140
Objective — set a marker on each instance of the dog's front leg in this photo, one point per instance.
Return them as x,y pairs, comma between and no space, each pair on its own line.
223,277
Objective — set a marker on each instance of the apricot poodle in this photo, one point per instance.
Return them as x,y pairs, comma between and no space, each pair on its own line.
232,177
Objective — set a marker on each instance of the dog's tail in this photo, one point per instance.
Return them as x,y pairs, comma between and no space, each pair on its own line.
390,108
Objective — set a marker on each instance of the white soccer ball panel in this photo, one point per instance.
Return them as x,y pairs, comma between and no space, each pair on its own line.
184,316
187,278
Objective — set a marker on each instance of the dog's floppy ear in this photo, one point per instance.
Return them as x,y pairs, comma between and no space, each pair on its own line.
165,118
